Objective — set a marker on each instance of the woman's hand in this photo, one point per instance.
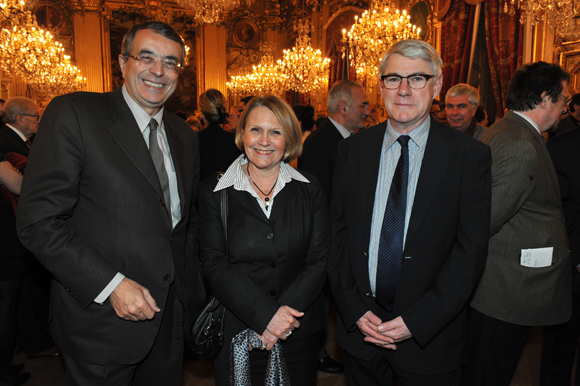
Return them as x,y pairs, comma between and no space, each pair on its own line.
268,339
284,322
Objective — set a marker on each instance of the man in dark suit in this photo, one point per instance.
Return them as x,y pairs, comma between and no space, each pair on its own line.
20,123
107,207
410,204
348,107
561,340
526,280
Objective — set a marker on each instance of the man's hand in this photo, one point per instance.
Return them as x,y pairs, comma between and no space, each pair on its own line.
133,302
395,331
383,334
268,339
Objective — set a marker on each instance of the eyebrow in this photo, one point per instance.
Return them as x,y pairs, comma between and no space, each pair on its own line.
153,53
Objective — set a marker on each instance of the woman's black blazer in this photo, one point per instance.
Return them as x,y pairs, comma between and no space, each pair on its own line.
272,262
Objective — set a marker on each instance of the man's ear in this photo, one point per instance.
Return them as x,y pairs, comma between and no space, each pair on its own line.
122,63
342,107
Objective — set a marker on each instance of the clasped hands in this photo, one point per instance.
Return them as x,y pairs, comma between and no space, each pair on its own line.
131,301
280,327
383,334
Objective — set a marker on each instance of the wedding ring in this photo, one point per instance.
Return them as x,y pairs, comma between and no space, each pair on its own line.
288,334
263,346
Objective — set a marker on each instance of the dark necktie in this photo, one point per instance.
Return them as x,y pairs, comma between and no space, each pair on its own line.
28,142
157,157
392,232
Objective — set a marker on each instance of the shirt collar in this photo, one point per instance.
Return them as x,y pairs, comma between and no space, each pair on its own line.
417,134
22,136
143,119
341,129
235,176
531,122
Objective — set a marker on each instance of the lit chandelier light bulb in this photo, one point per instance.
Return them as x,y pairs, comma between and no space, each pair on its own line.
372,34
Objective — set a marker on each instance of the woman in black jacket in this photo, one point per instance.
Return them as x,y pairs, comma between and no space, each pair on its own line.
271,278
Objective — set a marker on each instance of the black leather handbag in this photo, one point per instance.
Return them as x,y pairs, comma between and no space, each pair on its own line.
207,333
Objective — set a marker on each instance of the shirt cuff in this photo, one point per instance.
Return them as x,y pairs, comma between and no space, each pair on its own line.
104,295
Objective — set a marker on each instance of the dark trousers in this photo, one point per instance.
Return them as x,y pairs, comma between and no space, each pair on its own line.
9,291
33,309
493,349
559,349
382,371
301,359
161,366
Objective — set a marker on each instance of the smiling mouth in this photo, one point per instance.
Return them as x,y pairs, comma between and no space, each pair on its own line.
156,85
263,152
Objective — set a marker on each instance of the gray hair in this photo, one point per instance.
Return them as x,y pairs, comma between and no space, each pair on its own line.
17,106
414,49
464,89
341,90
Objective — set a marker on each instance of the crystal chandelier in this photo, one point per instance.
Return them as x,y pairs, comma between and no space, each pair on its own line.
304,68
370,36
208,11
557,13
266,77
31,53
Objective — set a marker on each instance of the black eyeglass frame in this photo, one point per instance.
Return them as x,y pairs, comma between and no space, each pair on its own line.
32,115
426,76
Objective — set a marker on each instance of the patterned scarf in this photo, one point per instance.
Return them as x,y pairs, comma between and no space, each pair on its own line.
276,373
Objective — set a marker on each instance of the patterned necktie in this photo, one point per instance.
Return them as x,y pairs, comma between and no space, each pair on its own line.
392,233
157,157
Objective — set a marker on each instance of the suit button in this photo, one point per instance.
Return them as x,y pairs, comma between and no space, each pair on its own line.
270,236
166,277
161,203
273,293
273,265
170,238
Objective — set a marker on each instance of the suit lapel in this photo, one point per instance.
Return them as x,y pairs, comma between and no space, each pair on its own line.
282,199
176,148
438,153
248,202
128,136
370,159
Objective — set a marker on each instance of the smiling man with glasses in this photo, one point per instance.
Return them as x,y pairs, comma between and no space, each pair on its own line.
411,206
107,207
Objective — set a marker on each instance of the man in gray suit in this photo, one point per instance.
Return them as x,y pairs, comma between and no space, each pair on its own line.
526,280
461,103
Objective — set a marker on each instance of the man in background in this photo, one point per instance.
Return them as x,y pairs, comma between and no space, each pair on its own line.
461,104
526,280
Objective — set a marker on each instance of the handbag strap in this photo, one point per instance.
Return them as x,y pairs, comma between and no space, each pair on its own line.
224,212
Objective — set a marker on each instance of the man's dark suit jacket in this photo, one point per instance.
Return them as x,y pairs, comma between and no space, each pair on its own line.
564,152
10,142
444,251
12,250
319,154
217,150
91,206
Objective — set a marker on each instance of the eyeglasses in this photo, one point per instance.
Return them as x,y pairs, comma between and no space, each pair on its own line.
415,81
151,60
566,100
32,115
